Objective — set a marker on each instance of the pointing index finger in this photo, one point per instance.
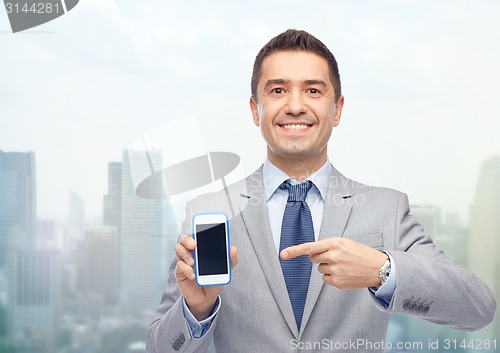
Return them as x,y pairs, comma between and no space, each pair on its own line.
297,250
314,247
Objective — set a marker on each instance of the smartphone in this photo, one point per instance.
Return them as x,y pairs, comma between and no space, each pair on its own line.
212,259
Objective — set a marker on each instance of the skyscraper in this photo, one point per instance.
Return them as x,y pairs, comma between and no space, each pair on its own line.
140,244
484,240
98,263
17,197
454,239
33,290
76,216
113,200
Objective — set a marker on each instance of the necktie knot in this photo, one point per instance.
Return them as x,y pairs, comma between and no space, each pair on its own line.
297,192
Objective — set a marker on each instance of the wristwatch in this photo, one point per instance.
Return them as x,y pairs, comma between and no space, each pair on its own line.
385,270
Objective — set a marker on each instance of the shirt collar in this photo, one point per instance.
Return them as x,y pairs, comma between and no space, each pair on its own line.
273,177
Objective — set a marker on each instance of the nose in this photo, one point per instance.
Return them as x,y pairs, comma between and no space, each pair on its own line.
295,104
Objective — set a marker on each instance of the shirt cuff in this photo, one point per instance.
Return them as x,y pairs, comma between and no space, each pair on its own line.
200,328
385,292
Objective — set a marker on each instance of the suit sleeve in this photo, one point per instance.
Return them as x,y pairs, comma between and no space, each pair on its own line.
430,285
170,332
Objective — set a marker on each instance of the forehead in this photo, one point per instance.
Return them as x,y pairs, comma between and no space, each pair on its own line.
295,66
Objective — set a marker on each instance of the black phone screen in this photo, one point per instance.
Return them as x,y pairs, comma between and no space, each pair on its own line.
211,249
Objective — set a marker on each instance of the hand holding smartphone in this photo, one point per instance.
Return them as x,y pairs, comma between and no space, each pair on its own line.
212,262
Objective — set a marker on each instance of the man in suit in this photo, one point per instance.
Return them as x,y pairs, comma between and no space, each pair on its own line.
366,257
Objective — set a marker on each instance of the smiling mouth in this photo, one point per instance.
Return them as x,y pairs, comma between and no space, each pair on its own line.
295,126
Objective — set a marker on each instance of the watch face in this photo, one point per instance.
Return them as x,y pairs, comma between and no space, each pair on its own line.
385,270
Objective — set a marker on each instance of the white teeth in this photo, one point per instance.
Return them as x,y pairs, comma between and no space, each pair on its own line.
296,126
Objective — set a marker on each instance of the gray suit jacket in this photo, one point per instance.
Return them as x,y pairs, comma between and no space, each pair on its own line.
255,313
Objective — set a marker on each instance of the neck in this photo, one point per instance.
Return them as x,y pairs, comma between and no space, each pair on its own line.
297,167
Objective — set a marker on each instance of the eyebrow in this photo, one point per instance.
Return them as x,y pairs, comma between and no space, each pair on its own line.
315,82
275,81
280,81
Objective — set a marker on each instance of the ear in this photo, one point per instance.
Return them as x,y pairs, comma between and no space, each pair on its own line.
338,111
255,111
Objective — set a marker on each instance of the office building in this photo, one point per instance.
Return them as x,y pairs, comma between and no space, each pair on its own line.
484,239
112,202
141,243
98,264
76,216
34,296
17,197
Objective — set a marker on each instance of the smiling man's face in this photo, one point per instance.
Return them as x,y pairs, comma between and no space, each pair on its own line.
295,107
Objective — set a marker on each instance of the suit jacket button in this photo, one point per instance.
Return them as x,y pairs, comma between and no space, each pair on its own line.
406,304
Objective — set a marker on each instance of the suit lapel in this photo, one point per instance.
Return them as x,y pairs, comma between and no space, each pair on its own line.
256,219
335,215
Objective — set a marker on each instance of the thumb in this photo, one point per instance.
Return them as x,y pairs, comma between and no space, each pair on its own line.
234,256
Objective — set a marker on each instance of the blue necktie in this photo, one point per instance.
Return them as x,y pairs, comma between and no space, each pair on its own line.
297,228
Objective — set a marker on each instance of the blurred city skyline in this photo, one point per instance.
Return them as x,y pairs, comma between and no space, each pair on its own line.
59,278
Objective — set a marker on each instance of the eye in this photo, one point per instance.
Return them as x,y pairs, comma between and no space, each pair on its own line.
277,91
314,92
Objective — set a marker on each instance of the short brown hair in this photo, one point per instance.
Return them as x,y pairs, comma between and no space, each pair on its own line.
298,40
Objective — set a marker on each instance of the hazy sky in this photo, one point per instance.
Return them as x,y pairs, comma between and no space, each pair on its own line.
420,80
